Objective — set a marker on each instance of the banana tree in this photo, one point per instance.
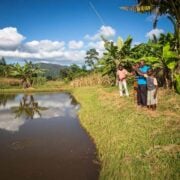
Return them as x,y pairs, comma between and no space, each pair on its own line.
171,8
124,51
115,54
108,61
165,60
27,108
26,73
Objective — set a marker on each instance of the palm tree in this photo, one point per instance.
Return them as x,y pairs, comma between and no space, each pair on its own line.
171,8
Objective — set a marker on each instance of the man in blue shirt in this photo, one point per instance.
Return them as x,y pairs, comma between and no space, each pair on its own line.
142,85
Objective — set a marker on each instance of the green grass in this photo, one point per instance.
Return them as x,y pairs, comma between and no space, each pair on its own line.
49,86
132,143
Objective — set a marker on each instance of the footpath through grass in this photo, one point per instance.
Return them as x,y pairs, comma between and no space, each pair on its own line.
132,143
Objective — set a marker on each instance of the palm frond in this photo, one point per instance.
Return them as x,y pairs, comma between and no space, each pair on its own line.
138,8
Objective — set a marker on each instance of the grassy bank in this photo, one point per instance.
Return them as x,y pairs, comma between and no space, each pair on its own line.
132,143
49,86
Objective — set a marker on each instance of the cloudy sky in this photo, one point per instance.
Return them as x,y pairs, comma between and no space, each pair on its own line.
61,31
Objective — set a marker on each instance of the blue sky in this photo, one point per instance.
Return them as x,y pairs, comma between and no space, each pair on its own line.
60,31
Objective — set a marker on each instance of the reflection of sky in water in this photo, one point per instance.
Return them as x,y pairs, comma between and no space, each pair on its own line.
58,105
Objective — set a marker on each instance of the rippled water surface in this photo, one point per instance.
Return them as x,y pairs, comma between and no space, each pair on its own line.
41,139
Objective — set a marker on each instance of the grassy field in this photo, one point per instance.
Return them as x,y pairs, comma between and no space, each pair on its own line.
132,143
49,86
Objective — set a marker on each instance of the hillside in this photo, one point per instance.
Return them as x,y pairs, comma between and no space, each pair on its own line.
51,69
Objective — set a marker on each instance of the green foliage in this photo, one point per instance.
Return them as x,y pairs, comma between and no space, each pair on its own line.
26,73
4,68
115,54
37,81
108,61
91,58
177,83
51,71
161,7
2,61
119,43
72,72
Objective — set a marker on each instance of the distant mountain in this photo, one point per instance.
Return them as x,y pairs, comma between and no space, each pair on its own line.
51,69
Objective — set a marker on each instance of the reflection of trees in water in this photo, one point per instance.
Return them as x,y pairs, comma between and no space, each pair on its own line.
73,100
28,107
5,97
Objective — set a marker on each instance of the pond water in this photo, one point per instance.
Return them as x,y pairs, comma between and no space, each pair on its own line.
41,139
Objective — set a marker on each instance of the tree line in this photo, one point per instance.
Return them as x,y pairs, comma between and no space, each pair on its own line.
162,53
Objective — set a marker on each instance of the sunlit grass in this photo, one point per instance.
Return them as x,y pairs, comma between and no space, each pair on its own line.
49,86
132,143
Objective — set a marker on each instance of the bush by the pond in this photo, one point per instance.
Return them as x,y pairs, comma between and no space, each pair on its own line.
37,81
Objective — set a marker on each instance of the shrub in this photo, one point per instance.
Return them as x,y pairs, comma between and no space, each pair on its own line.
39,81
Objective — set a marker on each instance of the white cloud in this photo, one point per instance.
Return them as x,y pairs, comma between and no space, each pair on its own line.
12,46
75,44
99,45
44,46
10,38
55,55
156,32
106,31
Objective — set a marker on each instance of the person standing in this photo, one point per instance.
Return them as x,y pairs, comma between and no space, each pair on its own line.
142,85
135,83
152,88
121,76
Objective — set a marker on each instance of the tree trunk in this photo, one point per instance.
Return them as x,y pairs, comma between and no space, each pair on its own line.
166,80
178,37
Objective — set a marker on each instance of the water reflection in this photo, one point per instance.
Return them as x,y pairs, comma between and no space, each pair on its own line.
28,108
52,146
5,97
18,109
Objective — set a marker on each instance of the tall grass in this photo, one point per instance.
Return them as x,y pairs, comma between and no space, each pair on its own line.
6,83
132,143
91,80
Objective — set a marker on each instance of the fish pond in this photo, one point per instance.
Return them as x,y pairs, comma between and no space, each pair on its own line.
41,139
